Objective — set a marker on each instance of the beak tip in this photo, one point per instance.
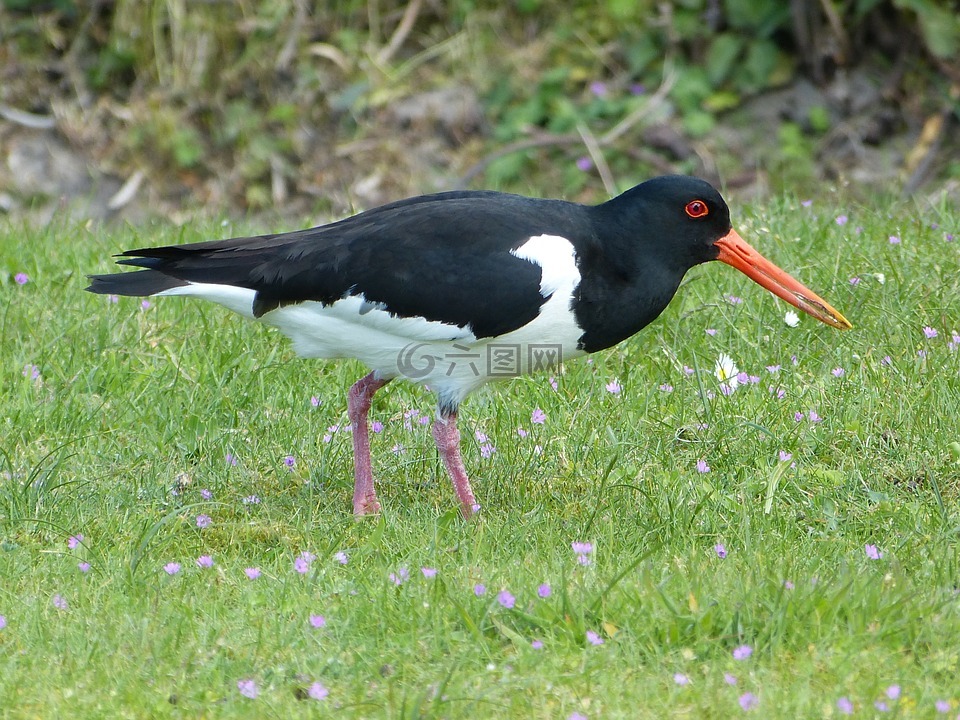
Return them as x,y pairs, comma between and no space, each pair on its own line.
839,321
835,319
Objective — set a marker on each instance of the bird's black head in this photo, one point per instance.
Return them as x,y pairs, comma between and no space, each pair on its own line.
675,218
663,227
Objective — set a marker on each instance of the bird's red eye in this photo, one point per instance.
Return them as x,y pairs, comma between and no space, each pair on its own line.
696,208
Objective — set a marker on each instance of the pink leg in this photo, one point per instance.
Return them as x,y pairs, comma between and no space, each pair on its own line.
447,437
358,405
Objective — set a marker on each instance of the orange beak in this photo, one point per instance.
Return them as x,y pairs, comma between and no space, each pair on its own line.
735,251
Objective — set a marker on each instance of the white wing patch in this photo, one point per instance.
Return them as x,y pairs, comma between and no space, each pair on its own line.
557,260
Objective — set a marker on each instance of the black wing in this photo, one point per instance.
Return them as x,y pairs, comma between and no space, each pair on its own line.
442,257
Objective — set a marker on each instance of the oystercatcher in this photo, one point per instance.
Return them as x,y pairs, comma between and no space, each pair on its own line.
455,289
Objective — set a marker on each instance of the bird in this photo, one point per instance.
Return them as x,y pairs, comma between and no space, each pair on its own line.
455,289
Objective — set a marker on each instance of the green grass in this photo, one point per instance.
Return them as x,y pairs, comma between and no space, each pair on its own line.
130,404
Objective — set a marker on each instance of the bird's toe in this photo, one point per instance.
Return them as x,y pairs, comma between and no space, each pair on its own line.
366,506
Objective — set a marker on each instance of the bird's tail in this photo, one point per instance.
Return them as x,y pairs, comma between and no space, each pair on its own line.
145,282
174,266
218,271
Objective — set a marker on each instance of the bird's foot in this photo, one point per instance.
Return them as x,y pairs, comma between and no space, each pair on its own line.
367,505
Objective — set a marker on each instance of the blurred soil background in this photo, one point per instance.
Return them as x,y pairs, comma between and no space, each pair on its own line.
176,109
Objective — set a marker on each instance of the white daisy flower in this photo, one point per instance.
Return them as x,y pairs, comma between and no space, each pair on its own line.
726,372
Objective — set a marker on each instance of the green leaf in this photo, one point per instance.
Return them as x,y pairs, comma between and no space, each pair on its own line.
941,30
698,123
759,64
940,27
760,17
285,113
624,9
721,101
954,448
691,89
186,146
722,53
819,118
641,52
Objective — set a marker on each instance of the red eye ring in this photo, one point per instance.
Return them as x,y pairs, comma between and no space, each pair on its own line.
696,209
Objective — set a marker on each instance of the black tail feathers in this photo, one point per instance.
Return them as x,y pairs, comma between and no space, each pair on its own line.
138,284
